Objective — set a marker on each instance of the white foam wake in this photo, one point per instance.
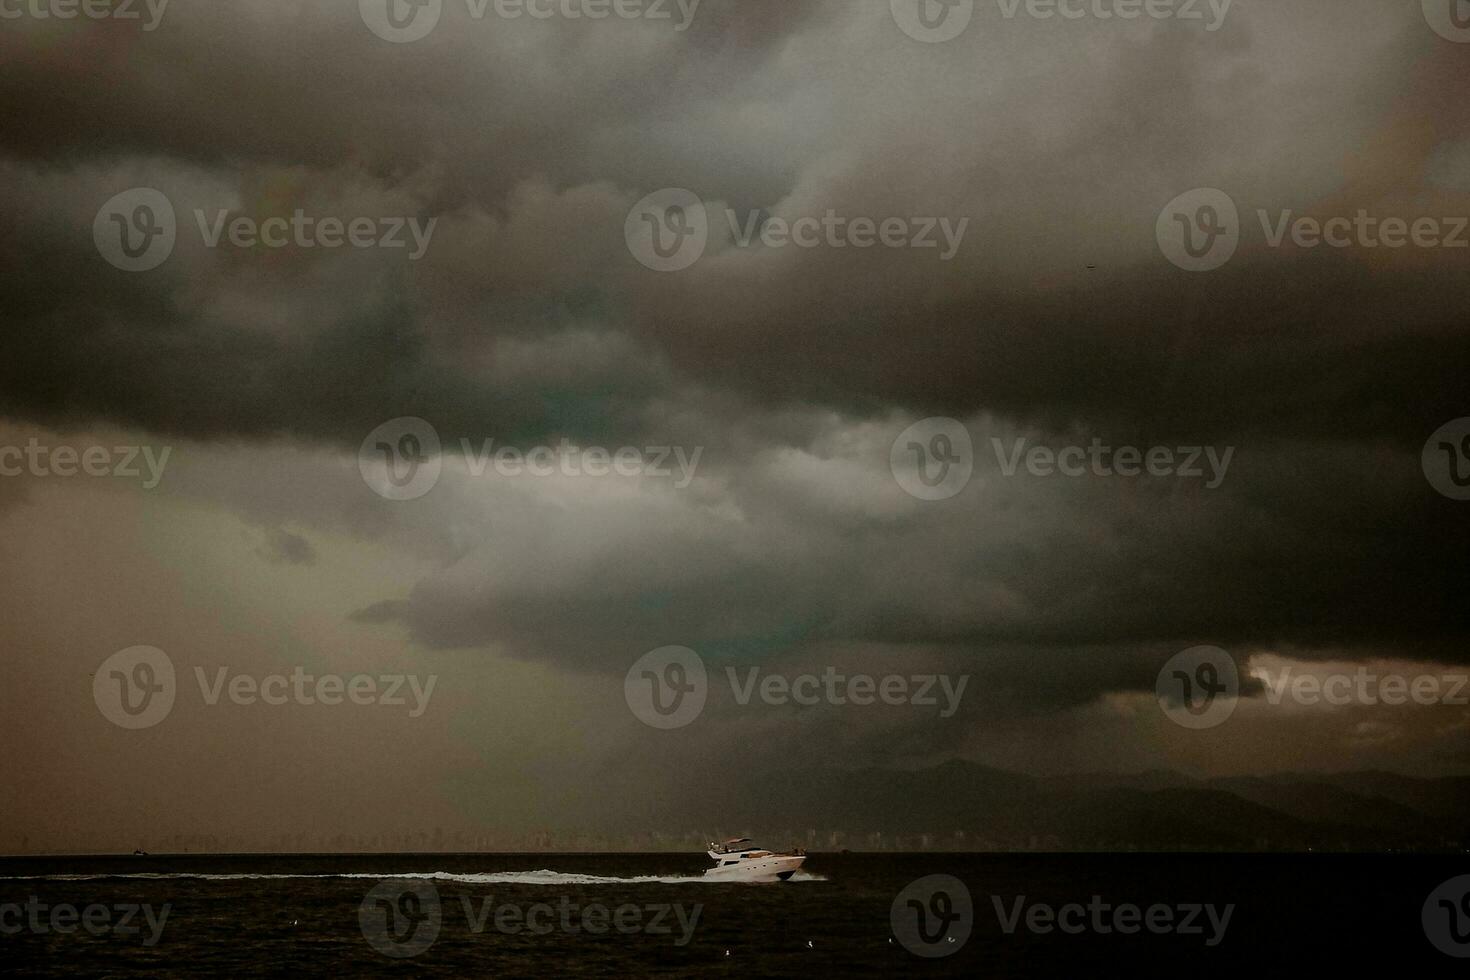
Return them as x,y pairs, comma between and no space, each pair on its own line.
542,877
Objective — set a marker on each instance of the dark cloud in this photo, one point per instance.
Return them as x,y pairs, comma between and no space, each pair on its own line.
286,547
528,321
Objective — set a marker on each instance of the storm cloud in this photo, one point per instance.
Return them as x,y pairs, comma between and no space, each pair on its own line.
1058,321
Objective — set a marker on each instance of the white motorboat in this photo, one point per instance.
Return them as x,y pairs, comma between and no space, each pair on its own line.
738,860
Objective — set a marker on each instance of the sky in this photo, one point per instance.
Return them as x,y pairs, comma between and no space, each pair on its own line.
896,248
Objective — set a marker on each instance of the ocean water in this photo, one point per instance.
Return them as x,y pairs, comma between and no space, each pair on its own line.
633,915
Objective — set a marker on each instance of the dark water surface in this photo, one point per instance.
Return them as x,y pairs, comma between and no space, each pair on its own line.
303,914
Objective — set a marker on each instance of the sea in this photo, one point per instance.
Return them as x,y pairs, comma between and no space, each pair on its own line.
652,915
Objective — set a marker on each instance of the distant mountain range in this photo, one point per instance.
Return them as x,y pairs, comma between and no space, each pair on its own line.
962,805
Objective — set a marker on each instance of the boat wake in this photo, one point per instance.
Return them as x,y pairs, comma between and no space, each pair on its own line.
542,877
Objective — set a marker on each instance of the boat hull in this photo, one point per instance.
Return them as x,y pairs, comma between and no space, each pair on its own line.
775,867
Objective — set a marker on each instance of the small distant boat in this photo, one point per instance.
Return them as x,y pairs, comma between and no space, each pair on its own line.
738,860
